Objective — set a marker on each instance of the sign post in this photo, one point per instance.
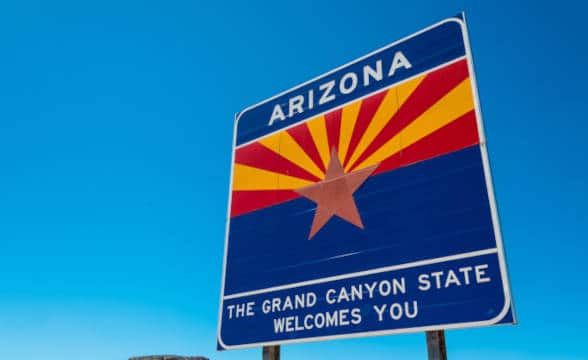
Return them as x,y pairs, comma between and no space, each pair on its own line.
436,348
361,204
271,352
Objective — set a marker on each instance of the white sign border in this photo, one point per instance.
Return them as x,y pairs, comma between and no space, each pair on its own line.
489,188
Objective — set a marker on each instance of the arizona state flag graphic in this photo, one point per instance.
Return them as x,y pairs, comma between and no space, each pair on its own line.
373,174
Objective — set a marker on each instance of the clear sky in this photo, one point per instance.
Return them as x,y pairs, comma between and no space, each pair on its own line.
116,122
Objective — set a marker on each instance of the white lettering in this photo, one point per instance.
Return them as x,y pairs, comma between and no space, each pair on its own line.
399,286
276,304
347,84
371,288
326,95
399,61
396,311
266,306
310,299
328,297
355,316
356,293
380,311
415,310
332,319
451,279
277,114
240,310
343,295
279,325
287,304
385,288
368,73
231,308
424,283
480,273
343,88
295,105
466,273
310,99
250,308
437,276
308,322
341,317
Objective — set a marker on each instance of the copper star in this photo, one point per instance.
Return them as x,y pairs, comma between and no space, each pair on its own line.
334,194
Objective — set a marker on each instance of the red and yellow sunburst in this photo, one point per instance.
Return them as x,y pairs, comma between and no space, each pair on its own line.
422,118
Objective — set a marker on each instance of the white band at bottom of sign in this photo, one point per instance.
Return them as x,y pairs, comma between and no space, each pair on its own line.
365,272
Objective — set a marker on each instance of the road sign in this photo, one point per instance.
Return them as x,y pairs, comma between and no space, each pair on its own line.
361,203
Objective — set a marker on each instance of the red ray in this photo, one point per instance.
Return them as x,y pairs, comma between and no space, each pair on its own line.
333,124
368,108
429,91
457,135
257,155
302,136
243,202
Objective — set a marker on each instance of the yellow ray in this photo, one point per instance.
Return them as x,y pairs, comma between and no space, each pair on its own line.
250,178
395,97
453,105
348,119
318,131
283,144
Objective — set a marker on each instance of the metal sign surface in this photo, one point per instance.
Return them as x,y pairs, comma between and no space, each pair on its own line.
361,203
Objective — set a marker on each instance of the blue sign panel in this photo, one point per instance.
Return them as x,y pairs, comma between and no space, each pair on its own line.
361,203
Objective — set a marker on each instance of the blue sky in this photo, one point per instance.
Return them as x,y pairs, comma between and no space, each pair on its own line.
115,138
